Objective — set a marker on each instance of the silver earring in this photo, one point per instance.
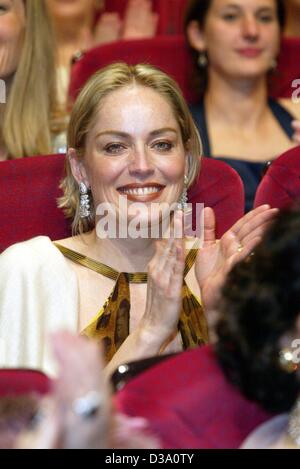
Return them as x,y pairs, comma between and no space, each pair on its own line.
202,60
182,202
84,203
273,65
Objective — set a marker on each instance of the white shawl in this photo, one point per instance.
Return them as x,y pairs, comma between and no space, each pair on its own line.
38,295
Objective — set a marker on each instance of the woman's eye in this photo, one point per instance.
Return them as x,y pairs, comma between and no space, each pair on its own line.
266,18
229,16
163,146
114,148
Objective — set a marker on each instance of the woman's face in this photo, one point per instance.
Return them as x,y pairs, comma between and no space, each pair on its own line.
12,27
135,150
241,37
71,9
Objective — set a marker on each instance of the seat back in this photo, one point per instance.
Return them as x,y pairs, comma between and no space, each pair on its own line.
280,187
29,188
158,51
288,69
171,13
17,381
188,403
220,187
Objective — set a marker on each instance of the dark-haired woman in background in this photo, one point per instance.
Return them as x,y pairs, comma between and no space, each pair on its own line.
236,46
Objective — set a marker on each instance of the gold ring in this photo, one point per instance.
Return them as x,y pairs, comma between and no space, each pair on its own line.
240,248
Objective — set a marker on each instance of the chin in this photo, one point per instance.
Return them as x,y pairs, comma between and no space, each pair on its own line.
147,223
250,73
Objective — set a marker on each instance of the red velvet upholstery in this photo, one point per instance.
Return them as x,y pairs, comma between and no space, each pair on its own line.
23,381
29,189
159,51
220,187
28,193
288,69
171,16
280,186
171,13
189,403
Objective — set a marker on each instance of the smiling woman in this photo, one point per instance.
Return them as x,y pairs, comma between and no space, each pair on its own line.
131,138
235,45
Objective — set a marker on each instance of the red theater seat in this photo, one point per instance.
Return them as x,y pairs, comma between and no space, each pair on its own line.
171,54
29,189
220,187
280,187
171,13
28,193
288,69
14,382
189,403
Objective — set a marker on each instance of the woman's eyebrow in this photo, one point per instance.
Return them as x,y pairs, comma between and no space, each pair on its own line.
154,133
113,132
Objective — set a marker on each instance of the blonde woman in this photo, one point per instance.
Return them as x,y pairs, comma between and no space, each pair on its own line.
27,69
131,141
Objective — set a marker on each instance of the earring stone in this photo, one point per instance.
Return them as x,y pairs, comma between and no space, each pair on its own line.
183,200
84,202
202,60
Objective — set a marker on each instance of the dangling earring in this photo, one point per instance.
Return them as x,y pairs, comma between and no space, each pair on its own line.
182,202
273,65
202,60
286,360
84,203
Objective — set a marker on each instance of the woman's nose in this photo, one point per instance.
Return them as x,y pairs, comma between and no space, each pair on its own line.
141,164
250,27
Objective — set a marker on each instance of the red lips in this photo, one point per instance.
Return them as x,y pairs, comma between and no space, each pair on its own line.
250,52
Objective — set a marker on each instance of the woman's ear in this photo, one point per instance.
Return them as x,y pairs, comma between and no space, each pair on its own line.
196,36
77,167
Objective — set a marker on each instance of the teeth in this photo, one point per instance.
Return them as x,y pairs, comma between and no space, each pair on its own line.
141,191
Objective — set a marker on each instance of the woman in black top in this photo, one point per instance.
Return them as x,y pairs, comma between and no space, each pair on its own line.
236,45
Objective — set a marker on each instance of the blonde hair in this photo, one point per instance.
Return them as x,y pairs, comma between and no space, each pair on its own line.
27,115
85,112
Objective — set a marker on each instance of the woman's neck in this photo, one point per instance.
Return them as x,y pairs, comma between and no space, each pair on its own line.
292,28
124,255
72,37
236,103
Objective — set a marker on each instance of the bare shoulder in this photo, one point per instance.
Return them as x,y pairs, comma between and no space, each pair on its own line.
291,106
